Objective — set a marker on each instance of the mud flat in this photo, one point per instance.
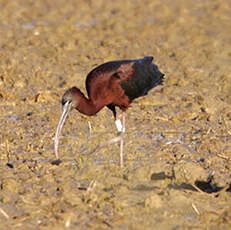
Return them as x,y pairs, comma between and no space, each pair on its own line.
177,172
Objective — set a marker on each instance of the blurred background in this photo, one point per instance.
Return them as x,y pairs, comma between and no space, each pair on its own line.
177,150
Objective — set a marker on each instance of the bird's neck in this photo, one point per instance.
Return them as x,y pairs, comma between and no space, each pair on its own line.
86,106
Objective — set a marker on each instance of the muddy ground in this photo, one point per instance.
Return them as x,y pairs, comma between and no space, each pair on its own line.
177,172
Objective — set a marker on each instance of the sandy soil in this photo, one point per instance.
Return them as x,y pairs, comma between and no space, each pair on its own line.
177,172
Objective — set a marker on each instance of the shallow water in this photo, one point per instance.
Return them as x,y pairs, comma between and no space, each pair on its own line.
177,149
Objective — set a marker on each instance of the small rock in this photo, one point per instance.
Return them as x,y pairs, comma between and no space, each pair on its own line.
10,165
56,162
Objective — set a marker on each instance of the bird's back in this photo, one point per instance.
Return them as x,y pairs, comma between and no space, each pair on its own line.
107,83
105,70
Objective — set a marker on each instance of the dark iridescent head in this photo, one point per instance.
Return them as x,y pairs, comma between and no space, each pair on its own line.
70,96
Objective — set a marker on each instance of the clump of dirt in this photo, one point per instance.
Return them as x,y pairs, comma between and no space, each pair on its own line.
177,172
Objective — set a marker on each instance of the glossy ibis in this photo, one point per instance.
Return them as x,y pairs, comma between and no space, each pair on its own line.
115,83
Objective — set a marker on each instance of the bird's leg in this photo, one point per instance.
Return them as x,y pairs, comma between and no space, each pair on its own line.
121,129
122,140
123,120
117,120
111,141
118,125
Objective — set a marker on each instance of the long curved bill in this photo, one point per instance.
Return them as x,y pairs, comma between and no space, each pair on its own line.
66,110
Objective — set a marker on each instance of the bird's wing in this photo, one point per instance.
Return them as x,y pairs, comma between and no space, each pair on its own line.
121,74
121,70
125,71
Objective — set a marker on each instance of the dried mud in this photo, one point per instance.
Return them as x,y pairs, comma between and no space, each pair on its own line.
177,171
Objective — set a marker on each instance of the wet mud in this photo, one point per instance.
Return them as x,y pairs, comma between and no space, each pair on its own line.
177,172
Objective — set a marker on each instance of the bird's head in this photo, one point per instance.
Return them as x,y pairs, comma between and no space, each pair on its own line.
70,100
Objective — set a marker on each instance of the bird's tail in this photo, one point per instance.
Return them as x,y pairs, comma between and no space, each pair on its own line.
150,71
146,76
